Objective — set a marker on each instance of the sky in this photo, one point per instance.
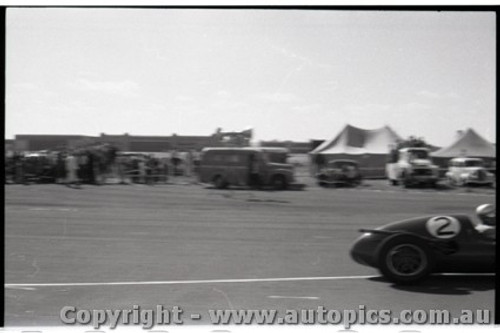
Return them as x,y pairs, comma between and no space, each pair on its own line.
288,74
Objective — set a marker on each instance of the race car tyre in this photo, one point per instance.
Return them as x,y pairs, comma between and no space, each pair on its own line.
279,183
219,182
405,259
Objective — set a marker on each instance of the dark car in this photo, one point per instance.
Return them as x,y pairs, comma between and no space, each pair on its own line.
339,172
407,251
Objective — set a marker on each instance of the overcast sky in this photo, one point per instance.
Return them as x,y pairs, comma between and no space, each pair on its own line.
289,74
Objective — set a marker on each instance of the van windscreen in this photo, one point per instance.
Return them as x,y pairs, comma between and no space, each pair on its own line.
276,157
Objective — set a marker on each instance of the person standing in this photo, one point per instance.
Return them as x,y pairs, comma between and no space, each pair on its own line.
91,166
189,163
60,168
175,160
142,171
120,166
19,169
164,169
71,170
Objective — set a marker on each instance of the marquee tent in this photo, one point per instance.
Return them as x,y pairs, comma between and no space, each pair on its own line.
470,144
369,148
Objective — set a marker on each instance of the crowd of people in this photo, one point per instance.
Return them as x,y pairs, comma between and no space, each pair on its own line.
96,164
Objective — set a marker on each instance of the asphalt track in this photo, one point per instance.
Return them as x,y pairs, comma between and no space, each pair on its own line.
115,246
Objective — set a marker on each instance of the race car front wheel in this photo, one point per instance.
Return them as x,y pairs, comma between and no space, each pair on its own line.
405,259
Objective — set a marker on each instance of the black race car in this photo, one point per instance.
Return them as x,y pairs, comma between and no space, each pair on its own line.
408,251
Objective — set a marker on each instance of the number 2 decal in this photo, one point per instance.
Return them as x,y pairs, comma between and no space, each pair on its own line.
443,226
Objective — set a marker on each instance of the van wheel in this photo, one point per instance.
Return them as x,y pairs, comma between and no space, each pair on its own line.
279,182
219,182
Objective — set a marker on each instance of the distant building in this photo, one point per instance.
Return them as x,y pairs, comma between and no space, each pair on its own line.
124,142
293,146
138,143
35,142
9,146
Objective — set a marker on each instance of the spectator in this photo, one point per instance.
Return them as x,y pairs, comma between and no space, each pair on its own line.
142,171
121,167
164,169
175,160
60,168
189,163
71,170
19,169
196,163
91,167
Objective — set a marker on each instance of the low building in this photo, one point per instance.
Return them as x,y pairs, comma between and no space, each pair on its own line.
293,146
36,142
124,142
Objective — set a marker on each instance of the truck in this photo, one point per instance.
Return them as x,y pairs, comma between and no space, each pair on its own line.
411,165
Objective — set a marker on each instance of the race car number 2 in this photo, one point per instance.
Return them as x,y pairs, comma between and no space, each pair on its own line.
443,226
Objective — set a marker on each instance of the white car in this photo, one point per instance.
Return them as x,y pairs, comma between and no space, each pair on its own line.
468,170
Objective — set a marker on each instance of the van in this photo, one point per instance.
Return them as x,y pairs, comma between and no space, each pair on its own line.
260,166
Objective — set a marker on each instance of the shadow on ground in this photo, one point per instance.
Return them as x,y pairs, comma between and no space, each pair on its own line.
446,284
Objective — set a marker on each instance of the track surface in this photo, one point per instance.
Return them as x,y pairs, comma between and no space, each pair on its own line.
199,236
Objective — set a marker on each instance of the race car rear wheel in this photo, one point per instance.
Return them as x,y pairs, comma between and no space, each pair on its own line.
405,259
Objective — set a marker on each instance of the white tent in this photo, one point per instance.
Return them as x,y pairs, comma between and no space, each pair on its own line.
469,144
356,141
368,147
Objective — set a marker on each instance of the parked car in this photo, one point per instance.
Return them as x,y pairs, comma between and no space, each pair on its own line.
407,251
339,172
464,171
